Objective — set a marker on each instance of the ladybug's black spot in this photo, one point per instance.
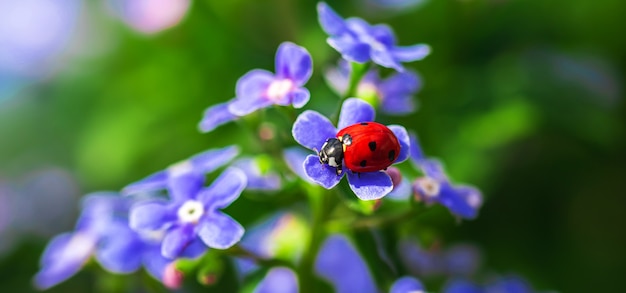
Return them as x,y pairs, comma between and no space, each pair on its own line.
372,145
364,123
392,155
363,163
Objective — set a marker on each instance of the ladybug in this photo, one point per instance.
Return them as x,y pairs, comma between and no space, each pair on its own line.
364,147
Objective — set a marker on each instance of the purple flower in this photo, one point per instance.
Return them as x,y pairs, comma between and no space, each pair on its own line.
506,284
185,176
358,41
215,116
260,88
462,286
509,284
407,285
457,260
278,280
311,130
339,263
394,94
102,229
294,156
193,219
64,256
461,200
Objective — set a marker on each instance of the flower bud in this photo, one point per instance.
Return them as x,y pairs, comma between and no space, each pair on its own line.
172,277
396,176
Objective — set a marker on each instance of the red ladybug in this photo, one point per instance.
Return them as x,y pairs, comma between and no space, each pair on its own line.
364,147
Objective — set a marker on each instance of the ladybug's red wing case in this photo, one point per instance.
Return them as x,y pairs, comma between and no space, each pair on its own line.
373,147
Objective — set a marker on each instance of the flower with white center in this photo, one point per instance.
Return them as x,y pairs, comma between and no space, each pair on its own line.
427,187
278,89
435,187
193,220
190,212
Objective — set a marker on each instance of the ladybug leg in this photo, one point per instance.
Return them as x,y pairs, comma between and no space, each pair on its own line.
338,170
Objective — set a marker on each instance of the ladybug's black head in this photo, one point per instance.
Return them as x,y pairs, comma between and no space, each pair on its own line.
332,153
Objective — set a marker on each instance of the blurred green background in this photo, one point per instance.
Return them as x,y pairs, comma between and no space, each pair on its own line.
523,99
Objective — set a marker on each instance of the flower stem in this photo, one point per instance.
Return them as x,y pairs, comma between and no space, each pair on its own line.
383,220
321,205
357,72
239,251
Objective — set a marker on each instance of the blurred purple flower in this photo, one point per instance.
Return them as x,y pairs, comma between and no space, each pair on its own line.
294,156
505,284
339,263
394,94
358,41
33,32
260,88
509,284
462,200
462,286
186,176
278,280
192,218
102,229
150,16
257,179
407,285
46,199
311,130
215,116
460,260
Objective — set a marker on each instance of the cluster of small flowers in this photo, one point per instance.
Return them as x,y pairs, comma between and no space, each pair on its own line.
137,228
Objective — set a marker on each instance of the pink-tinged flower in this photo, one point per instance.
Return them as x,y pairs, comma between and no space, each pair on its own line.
260,88
151,16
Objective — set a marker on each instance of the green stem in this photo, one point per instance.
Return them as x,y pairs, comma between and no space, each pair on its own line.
383,220
356,74
239,251
321,204
377,221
